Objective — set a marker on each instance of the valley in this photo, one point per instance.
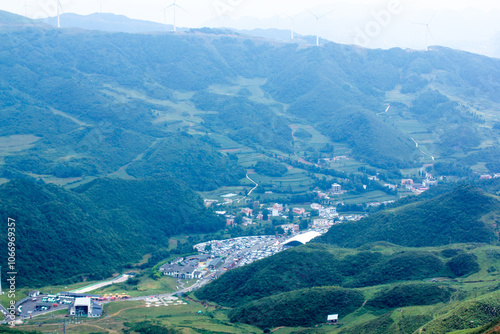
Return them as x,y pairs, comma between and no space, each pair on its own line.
188,162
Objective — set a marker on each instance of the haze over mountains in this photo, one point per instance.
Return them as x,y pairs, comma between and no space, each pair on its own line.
370,25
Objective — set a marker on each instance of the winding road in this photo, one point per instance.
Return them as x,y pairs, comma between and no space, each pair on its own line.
256,185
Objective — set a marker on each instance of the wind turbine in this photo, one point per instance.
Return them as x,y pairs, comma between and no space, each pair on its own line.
25,7
317,23
427,31
59,6
100,6
293,24
174,5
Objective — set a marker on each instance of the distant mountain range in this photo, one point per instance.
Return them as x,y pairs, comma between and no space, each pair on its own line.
107,22
392,108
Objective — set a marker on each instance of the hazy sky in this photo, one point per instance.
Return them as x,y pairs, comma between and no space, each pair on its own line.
472,25
201,11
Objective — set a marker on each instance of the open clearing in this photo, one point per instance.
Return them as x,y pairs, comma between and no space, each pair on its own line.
16,143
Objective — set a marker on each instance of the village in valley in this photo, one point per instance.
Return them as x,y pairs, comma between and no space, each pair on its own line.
288,226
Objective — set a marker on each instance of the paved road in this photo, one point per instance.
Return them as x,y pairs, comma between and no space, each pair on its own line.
119,279
256,185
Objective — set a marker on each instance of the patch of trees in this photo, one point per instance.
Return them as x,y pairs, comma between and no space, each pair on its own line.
302,134
245,121
305,307
148,327
189,159
399,267
410,294
371,140
463,264
270,168
413,83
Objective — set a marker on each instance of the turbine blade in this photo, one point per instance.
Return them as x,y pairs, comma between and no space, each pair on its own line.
432,17
312,14
325,14
176,5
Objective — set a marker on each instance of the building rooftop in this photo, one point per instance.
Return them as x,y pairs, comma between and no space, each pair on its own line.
85,301
302,238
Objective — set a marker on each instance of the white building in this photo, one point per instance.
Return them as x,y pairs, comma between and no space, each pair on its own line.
322,222
316,206
336,189
85,307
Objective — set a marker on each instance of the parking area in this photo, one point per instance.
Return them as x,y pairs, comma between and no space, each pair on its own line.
43,304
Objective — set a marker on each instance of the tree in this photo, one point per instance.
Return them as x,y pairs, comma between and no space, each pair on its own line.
238,219
280,230
265,214
304,224
290,215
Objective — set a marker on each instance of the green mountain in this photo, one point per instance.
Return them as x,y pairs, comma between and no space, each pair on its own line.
95,103
306,307
316,265
9,19
386,288
63,236
190,159
466,214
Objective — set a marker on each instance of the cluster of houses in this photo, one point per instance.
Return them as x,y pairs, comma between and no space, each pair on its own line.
418,188
242,250
192,267
277,210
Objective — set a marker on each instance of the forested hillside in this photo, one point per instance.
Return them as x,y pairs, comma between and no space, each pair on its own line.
190,159
378,279
466,214
104,101
315,305
316,265
64,236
